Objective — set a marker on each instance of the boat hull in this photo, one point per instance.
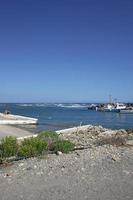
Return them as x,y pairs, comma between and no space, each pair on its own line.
126,111
112,110
108,110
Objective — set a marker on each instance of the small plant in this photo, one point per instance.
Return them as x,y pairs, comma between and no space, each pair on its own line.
8,147
49,136
65,146
32,147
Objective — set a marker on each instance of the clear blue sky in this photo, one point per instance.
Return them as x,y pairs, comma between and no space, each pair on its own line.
66,50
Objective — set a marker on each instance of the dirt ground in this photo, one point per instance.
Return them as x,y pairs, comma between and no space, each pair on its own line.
99,173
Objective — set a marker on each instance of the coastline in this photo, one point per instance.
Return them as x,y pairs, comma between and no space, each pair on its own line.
78,132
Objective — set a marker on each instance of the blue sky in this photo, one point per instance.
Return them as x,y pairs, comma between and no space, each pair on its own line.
66,50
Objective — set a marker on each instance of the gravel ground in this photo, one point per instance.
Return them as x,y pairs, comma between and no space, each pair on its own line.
98,173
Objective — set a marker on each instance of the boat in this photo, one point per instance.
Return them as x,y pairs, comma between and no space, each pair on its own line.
117,107
120,106
127,111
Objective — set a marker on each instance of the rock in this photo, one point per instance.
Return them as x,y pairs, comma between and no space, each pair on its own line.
107,133
21,197
29,168
129,142
115,158
59,153
126,172
77,153
7,175
21,164
113,137
83,169
96,135
39,173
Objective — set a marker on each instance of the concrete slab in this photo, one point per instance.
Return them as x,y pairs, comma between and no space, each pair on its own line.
6,130
16,119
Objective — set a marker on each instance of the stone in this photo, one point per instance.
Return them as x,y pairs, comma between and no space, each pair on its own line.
129,142
29,168
115,158
59,153
21,164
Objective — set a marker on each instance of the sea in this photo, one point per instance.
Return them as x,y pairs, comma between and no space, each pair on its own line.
57,116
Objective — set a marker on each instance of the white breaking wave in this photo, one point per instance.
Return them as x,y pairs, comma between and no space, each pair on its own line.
40,105
71,105
65,105
34,104
25,105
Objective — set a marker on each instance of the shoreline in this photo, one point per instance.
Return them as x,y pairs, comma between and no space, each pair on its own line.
21,132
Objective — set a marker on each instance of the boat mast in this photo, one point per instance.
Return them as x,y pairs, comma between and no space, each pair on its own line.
110,99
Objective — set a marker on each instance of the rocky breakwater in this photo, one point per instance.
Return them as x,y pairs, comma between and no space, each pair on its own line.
88,136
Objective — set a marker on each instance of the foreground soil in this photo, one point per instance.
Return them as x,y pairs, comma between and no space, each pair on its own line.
97,173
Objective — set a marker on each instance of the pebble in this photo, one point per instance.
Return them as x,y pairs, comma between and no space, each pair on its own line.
83,169
21,164
29,168
7,175
39,173
59,153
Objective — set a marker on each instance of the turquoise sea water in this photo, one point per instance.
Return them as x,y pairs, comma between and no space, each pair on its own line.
60,116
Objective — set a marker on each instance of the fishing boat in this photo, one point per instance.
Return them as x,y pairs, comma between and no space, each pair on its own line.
127,111
117,107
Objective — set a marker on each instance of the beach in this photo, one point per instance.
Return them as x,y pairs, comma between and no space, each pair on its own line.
98,171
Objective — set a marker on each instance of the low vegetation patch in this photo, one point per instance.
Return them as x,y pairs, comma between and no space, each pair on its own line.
49,136
8,147
65,146
32,147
